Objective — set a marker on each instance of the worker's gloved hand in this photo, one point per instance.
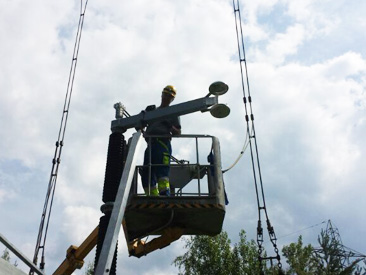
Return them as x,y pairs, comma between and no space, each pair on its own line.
175,131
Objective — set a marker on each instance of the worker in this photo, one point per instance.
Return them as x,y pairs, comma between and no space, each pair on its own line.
160,148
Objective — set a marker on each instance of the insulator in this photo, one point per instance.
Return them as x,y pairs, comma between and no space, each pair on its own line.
103,226
54,161
246,118
270,227
107,208
252,117
115,163
57,144
245,100
259,228
250,99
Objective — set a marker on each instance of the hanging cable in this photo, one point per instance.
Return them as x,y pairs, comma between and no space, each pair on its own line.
249,117
300,230
246,143
47,208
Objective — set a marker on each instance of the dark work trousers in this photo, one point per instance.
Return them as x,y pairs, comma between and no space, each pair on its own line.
161,151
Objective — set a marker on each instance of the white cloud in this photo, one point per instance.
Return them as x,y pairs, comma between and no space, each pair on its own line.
7,195
2,195
322,99
283,45
79,222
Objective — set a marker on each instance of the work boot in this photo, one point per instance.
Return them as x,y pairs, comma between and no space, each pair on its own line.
164,186
165,192
153,191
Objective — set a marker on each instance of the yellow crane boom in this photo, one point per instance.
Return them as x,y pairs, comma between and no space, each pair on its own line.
75,255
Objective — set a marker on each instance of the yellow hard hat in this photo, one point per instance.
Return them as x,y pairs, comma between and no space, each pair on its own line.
170,90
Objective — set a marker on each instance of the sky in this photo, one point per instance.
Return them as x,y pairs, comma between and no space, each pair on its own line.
307,73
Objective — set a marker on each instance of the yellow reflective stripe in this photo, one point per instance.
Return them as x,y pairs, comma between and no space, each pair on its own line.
166,158
163,144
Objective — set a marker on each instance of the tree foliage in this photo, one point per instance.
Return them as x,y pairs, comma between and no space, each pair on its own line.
246,256
216,255
6,255
331,257
299,259
89,269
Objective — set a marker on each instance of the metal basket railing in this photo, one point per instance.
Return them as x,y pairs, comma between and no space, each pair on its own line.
193,177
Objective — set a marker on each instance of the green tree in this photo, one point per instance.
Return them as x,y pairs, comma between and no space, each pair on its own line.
89,269
6,255
331,258
215,255
300,259
246,255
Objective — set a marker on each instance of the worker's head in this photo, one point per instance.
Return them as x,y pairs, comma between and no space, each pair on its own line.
170,90
168,95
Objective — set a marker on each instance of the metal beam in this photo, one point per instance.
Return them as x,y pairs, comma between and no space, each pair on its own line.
143,118
20,255
114,226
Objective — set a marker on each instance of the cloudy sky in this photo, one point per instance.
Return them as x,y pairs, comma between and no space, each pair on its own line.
307,74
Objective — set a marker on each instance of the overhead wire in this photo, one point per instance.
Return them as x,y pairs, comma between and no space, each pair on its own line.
249,117
47,208
300,230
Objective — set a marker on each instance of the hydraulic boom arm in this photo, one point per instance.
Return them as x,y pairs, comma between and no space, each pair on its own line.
75,255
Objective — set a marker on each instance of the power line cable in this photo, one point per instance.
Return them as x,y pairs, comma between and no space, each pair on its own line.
47,208
249,117
300,230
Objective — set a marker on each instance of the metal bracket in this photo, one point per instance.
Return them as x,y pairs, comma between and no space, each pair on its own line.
122,124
